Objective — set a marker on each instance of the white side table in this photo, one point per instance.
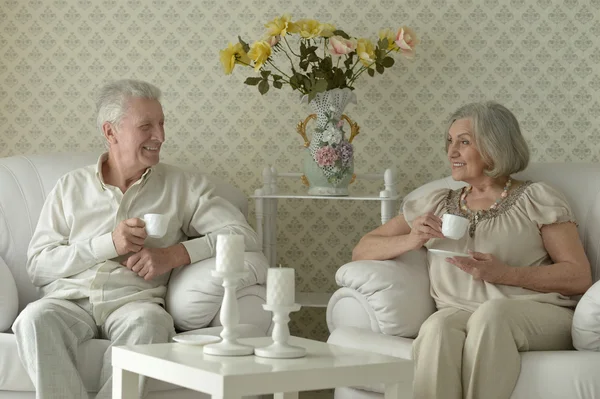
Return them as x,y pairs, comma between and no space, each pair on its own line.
266,199
325,366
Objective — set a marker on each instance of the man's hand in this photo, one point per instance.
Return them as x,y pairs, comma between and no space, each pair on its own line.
481,266
152,262
129,236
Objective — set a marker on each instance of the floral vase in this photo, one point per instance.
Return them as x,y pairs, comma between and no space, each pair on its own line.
328,162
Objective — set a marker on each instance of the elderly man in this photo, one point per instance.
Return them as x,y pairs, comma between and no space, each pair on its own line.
101,276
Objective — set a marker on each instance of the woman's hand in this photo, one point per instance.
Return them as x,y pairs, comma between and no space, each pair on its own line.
424,228
481,266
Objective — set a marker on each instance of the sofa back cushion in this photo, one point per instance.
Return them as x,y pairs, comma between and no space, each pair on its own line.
25,181
579,182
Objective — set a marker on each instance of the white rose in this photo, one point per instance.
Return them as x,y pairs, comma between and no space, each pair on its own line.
332,135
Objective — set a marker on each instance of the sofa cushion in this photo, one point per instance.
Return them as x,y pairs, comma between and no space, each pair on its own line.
558,375
586,321
194,295
9,298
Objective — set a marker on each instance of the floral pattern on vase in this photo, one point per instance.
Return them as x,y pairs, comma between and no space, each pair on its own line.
329,159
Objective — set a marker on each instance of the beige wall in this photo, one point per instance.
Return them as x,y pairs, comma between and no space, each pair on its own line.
540,58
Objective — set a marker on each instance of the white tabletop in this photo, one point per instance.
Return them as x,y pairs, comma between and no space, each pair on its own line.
325,366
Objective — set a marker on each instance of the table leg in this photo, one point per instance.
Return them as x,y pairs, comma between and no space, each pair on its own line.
285,395
125,384
392,391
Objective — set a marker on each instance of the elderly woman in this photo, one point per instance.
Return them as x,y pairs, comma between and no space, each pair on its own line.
514,293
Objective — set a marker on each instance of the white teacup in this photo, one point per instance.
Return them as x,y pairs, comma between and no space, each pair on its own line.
156,224
453,226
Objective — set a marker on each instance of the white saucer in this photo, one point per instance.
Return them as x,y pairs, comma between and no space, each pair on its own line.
196,339
442,252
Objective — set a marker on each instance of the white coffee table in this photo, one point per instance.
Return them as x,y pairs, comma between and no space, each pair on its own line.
325,366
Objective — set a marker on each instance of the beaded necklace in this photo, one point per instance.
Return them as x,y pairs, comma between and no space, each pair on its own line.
474,215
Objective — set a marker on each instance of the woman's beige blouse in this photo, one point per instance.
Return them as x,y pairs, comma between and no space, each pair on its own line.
511,232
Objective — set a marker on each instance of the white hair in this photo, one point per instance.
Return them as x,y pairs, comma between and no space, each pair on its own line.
497,136
112,98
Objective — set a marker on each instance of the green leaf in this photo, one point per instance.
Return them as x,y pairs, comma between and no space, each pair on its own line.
379,68
304,64
276,77
326,64
265,74
387,62
298,81
339,79
371,72
302,49
263,86
295,81
244,44
348,63
320,86
252,81
312,57
277,84
306,83
339,32
383,43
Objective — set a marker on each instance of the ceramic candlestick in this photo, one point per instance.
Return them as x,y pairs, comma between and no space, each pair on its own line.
230,318
280,348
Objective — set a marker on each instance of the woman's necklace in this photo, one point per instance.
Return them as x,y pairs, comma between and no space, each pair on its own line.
474,215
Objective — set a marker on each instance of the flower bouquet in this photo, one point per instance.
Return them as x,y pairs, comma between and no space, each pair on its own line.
322,57
323,63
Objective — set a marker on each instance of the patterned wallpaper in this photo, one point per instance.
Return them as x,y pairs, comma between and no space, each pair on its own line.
541,58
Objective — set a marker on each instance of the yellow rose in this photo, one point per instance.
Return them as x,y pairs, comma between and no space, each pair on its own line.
281,26
391,38
366,52
259,53
233,54
327,30
308,28
273,40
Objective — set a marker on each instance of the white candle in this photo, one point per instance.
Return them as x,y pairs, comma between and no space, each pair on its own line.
230,253
281,286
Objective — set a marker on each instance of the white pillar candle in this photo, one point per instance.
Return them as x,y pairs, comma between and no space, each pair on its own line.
230,253
281,287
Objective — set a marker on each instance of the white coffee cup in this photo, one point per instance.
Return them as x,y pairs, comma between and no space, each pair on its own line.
156,224
453,226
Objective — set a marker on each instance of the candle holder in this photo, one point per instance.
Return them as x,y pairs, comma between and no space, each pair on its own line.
280,349
230,317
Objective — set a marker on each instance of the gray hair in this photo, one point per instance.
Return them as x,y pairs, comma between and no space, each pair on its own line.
497,137
112,99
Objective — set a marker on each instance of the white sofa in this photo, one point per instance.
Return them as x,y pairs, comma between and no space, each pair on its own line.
382,304
193,298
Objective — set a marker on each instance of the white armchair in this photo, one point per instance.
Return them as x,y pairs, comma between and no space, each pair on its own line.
382,304
193,296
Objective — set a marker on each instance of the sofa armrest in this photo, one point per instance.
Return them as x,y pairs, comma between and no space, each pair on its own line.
194,295
585,329
396,290
9,297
